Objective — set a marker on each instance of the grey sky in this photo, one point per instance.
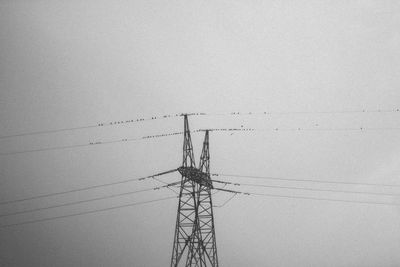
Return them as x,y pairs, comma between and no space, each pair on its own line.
76,63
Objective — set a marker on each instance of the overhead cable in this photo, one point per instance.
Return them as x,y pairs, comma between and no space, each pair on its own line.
85,201
304,180
226,202
136,120
309,198
310,189
85,212
86,188
100,124
231,130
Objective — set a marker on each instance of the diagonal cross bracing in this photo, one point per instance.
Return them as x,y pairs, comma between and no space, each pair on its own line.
194,231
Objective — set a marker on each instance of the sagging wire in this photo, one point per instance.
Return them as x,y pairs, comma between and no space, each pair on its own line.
86,188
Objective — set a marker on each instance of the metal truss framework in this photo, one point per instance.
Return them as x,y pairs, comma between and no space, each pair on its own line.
194,231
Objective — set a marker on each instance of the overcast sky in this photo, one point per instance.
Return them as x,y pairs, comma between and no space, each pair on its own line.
75,63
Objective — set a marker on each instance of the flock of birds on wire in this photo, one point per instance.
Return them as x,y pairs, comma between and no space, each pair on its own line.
228,187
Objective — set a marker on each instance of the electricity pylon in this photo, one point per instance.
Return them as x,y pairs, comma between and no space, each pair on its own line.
194,231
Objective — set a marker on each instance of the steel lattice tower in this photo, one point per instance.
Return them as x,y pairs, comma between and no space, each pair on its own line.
194,231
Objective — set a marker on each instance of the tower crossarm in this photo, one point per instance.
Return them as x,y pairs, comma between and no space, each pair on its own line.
196,175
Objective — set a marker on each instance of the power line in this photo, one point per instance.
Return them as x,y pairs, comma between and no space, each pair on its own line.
218,191
226,202
310,198
303,180
101,124
48,149
68,147
263,113
85,188
355,129
85,201
96,143
48,131
158,180
137,120
310,189
299,129
86,212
